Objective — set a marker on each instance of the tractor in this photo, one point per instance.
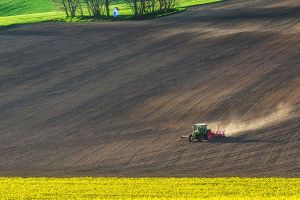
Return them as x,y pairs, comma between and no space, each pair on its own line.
202,134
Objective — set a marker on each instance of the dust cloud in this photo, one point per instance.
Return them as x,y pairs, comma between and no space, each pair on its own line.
236,126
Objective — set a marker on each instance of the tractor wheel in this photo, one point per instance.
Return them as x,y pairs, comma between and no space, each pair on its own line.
190,138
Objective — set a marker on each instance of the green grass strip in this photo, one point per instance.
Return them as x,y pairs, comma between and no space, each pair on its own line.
187,3
31,18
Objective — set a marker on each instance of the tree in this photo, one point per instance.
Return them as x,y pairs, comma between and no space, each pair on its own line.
165,5
70,7
141,7
98,8
93,7
107,7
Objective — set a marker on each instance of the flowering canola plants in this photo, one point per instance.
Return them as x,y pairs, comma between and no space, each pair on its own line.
150,188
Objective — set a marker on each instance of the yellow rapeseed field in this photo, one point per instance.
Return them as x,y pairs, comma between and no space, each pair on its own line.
150,188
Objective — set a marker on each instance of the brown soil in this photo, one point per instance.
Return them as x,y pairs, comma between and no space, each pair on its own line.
113,98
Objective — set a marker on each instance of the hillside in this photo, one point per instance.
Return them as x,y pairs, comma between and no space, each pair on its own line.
21,7
113,99
13,12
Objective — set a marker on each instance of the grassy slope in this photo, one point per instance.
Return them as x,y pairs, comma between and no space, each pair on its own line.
30,18
186,3
21,11
21,7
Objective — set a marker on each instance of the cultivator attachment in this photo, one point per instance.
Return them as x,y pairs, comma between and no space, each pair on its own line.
215,134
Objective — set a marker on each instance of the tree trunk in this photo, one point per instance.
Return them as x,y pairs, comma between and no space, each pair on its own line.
135,9
107,7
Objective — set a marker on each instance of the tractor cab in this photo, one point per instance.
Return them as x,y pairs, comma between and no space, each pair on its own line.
199,126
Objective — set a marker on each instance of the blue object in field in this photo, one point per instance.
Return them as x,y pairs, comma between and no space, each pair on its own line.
116,12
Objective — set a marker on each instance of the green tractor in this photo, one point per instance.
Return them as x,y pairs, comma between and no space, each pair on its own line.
200,133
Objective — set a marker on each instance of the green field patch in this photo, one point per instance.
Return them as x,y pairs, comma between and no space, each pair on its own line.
32,18
149,188
32,11
21,7
187,3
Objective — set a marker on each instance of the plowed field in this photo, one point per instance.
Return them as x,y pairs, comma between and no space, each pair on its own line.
113,98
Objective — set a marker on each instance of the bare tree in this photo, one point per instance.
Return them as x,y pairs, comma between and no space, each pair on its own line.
141,7
107,7
93,7
165,5
169,4
97,8
133,4
70,7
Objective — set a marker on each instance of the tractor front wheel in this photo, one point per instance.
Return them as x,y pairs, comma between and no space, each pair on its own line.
190,138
